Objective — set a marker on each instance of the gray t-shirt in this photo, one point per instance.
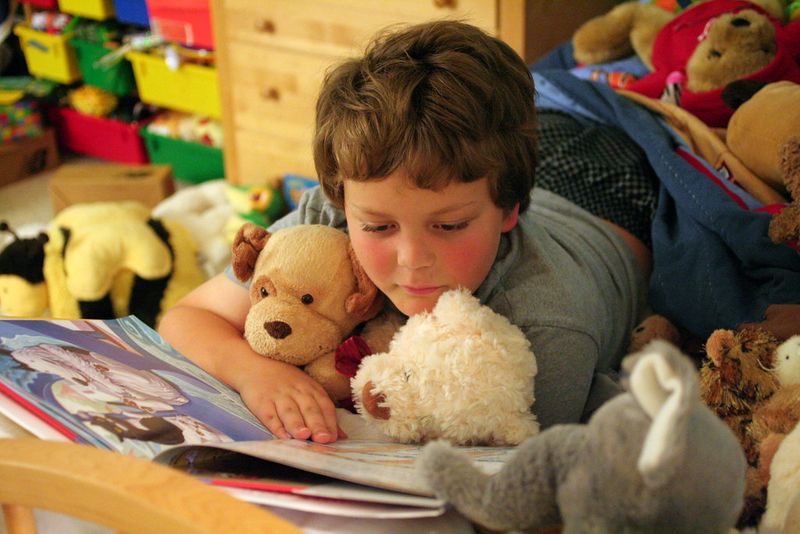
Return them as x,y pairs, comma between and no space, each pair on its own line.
567,281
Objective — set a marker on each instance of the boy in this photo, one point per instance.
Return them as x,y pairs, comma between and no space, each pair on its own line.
426,151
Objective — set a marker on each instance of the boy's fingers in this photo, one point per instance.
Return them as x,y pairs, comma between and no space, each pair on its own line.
273,423
315,420
328,414
292,419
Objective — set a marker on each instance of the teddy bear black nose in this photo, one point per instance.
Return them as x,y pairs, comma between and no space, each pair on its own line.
740,22
277,329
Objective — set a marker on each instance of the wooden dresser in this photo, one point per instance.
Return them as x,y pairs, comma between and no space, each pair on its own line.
272,56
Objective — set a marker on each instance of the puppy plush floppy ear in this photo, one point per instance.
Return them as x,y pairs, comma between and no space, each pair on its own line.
250,240
367,301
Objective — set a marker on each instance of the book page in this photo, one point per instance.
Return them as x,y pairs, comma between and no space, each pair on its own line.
382,464
117,385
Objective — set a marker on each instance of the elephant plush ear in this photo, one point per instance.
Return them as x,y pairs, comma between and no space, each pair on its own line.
366,301
250,240
665,385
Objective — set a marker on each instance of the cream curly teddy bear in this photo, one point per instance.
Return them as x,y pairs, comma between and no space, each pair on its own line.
462,373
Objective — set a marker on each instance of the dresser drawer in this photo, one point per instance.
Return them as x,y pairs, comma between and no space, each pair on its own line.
330,26
275,89
260,158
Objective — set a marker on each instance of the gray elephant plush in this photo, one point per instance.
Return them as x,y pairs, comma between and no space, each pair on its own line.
653,459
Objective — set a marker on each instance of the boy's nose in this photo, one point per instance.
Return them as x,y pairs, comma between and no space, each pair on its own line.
414,253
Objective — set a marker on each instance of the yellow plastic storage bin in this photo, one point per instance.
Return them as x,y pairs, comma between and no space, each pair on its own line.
191,88
48,55
92,9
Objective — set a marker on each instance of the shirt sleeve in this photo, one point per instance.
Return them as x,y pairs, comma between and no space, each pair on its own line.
566,362
313,208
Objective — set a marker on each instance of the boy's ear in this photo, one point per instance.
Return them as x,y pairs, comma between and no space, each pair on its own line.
511,219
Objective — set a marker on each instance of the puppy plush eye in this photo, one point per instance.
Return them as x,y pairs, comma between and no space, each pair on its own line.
307,299
714,54
263,291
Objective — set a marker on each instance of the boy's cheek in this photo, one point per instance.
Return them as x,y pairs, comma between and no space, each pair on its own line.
375,258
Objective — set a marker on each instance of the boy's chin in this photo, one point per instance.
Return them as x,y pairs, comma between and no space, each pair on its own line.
410,305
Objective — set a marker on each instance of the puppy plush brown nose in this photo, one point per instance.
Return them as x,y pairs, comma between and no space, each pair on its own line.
277,329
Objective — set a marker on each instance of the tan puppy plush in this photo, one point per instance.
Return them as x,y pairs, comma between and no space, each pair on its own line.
462,373
308,293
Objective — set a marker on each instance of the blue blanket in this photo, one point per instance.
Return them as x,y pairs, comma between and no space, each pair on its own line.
714,265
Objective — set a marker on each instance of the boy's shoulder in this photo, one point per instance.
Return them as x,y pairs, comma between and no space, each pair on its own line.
561,265
313,208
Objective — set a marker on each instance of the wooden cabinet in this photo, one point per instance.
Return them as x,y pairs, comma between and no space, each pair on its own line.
272,56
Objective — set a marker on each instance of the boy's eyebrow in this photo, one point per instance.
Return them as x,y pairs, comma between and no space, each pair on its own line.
442,211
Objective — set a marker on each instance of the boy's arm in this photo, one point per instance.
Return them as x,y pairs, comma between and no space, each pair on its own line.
566,361
207,325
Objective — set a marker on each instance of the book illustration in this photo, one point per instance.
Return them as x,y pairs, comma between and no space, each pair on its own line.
115,393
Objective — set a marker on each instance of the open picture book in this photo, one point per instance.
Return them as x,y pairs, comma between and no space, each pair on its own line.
116,384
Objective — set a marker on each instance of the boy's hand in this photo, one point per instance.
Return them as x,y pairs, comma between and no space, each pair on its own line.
289,402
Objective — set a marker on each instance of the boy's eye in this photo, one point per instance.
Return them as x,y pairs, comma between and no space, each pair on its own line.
375,227
452,227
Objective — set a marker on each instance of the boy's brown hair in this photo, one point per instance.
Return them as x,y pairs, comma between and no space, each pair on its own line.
442,100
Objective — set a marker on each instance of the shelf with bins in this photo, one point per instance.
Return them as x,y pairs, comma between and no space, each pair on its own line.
173,79
64,46
191,88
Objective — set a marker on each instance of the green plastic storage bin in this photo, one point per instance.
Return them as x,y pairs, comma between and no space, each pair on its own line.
117,79
191,162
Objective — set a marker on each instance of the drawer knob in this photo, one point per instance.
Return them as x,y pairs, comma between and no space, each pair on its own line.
445,3
271,93
266,26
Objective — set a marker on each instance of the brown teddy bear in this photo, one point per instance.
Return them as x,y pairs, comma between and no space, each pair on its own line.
785,225
737,381
766,118
652,327
695,54
308,293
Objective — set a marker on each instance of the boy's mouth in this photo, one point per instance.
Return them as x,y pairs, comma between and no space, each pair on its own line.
420,291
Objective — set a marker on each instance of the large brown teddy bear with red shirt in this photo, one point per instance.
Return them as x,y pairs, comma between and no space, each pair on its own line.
695,54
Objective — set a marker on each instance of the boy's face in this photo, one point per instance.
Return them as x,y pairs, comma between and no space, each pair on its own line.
415,244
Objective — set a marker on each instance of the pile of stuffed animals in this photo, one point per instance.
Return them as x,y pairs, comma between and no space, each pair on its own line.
693,55
734,64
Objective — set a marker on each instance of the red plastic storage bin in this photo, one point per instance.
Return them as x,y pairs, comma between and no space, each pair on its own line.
183,21
98,136
42,4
